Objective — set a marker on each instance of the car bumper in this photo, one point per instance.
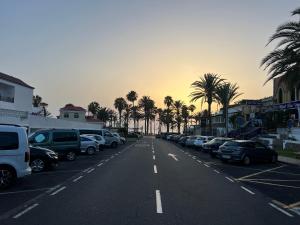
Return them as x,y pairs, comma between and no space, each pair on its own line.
235,158
24,172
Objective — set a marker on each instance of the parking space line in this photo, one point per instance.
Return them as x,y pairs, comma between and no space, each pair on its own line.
155,169
199,161
272,184
91,170
264,171
206,165
294,204
87,169
24,191
77,179
25,210
57,191
246,189
158,202
216,171
100,164
194,157
281,210
228,178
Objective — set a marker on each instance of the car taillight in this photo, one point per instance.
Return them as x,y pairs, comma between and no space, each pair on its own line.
27,156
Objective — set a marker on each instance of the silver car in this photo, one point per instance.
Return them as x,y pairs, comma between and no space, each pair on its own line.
99,139
88,145
122,139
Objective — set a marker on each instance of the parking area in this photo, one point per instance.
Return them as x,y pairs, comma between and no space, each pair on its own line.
39,184
279,181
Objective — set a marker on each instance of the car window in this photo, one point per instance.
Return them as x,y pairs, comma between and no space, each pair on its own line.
64,136
9,140
260,146
40,138
84,139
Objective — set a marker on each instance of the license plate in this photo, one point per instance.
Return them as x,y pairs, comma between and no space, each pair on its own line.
226,156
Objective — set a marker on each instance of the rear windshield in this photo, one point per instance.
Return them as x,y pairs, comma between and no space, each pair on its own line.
9,140
231,143
64,136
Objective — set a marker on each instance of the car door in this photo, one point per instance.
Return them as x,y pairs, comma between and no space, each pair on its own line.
261,152
109,138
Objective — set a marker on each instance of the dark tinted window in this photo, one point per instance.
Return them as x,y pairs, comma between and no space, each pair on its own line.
231,143
99,132
9,140
259,146
84,139
247,144
64,136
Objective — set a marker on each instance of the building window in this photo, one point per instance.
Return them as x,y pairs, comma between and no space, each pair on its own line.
66,115
280,96
76,115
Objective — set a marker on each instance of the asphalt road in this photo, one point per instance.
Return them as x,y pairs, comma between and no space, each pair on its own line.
151,182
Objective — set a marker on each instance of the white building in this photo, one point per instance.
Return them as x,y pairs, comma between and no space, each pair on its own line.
72,113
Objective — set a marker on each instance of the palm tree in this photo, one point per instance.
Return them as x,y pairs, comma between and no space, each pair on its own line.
284,60
36,100
168,101
147,105
177,107
191,108
185,116
159,112
103,114
205,89
225,93
132,97
93,107
111,115
126,115
120,104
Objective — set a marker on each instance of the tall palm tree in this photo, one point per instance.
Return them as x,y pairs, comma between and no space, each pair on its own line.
120,104
132,97
177,107
226,93
191,108
205,89
126,115
168,101
93,108
111,115
185,116
103,114
147,105
284,60
36,100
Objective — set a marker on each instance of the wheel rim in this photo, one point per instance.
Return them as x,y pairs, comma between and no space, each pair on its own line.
6,177
246,160
71,156
90,151
37,165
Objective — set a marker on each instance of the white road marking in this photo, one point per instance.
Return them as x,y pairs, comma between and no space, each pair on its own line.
246,189
100,164
77,179
264,171
154,157
106,160
59,190
153,152
119,152
199,161
91,170
281,210
173,156
228,178
158,202
206,165
216,171
87,169
155,169
112,157
25,211
25,191
194,157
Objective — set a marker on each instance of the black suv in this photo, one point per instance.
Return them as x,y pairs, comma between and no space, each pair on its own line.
246,151
212,146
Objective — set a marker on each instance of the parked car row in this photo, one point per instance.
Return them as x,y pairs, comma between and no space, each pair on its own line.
227,149
20,155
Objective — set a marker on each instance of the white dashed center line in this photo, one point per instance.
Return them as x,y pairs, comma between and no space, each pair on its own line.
91,170
216,171
25,211
100,164
206,165
154,157
228,178
77,179
246,189
199,161
57,191
155,169
158,202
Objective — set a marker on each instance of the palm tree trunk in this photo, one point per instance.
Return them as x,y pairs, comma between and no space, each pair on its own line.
209,118
145,125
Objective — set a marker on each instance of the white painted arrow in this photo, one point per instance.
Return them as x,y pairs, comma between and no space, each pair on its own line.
173,156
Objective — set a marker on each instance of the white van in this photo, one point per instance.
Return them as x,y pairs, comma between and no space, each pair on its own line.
14,154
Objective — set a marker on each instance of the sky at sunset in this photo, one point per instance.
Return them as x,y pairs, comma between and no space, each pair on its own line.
82,51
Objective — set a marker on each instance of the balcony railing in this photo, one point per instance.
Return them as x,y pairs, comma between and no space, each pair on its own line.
7,99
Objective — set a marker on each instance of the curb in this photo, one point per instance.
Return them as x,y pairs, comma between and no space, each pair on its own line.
289,160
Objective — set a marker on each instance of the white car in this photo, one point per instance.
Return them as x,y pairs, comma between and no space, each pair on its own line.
97,138
122,139
88,145
200,140
14,154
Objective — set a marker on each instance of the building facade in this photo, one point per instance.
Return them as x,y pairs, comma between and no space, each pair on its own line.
72,113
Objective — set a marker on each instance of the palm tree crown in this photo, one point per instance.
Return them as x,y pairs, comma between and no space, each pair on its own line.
120,104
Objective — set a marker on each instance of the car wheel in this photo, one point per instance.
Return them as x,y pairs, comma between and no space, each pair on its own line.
246,160
274,159
7,177
90,151
71,156
37,165
114,145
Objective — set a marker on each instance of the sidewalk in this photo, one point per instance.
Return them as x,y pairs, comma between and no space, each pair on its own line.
289,160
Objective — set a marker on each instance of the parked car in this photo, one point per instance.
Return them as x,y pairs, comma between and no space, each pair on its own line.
99,139
122,139
42,159
14,154
182,140
110,139
200,140
190,141
246,151
88,145
65,142
212,147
